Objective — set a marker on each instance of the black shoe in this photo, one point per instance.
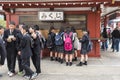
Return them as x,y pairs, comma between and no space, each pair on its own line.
56,59
61,61
66,63
70,64
85,63
75,58
113,50
51,58
80,64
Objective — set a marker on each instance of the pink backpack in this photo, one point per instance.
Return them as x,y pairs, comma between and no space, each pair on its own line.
68,42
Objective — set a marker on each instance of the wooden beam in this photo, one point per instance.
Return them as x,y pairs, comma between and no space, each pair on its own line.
112,12
55,4
14,1
71,1
116,3
49,6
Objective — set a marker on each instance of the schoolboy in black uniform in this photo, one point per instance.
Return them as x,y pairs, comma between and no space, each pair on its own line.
18,45
26,53
10,41
36,49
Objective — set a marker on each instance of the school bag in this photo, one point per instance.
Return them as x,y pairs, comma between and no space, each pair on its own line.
58,39
49,42
77,44
42,40
68,42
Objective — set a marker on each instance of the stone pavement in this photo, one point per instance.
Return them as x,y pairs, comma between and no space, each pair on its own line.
107,67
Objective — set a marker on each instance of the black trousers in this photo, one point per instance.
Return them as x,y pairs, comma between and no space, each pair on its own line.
11,59
36,62
26,66
20,63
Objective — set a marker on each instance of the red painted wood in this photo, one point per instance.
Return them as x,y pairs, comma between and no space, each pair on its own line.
55,4
7,19
65,1
15,18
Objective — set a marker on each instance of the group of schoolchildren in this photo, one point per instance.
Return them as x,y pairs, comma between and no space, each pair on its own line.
26,42
66,43
23,43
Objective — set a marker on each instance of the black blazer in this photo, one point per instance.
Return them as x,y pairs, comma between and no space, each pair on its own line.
2,52
36,46
84,44
26,51
12,44
18,40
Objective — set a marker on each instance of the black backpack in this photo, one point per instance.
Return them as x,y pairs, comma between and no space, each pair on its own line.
42,40
49,42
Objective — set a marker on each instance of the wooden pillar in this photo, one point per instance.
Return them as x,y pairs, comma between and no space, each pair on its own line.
106,19
97,29
15,18
93,25
8,18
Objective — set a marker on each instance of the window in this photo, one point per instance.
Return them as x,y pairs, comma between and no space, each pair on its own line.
77,21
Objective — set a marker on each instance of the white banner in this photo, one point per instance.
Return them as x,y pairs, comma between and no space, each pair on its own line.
51,16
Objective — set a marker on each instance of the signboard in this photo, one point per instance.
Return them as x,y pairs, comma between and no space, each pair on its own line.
51,16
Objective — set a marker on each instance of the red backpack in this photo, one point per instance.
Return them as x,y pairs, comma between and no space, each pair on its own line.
68,42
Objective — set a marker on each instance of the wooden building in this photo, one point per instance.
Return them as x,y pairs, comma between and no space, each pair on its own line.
81,14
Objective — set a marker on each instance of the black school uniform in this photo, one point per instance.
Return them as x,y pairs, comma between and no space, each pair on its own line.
53,41
26,53
2,52
36,54
11,49
18,45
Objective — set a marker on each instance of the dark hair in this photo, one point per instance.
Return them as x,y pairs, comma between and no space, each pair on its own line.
61,29
73,29
88,32
68,29
32,27
104,33
104,30
51,28
12,22
36,27
25,27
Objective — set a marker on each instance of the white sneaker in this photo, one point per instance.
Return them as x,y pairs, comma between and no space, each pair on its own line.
27,77
33,76
11,74
8,72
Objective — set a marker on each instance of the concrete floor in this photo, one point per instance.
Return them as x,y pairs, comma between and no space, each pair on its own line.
105,68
